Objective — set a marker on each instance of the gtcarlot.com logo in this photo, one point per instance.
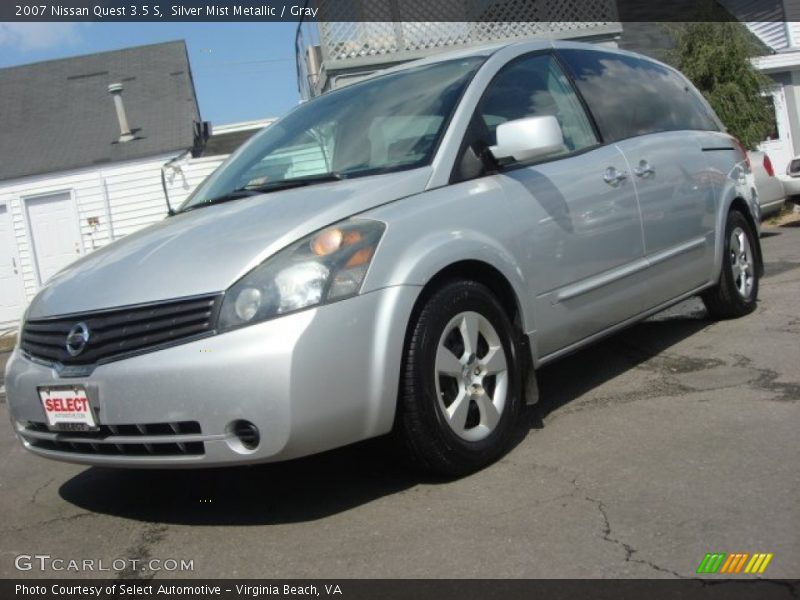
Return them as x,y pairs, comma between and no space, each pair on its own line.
46,562
721,563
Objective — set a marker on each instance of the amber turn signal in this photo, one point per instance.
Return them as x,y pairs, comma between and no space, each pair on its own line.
360,257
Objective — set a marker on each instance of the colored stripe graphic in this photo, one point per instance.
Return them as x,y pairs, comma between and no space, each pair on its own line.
758,563
711,562
723,563
741,562
734,563
727,564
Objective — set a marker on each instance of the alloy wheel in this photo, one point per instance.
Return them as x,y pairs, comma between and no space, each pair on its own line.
471,376
741,260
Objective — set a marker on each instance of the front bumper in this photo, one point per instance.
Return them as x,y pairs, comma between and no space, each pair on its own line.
310,381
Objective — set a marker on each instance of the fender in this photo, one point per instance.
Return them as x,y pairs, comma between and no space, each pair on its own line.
421,260
430,254
736,190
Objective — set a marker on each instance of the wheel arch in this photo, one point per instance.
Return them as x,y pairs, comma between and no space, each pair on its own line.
740,205
480,272
488,275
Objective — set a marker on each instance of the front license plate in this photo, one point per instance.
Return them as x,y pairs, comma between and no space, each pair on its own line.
67,408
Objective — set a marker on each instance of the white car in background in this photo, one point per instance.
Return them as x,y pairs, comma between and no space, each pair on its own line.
791,184
771,193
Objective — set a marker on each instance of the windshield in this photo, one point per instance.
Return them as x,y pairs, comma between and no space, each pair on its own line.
389,123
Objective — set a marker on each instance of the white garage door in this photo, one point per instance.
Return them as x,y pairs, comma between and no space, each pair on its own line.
54,229
11,297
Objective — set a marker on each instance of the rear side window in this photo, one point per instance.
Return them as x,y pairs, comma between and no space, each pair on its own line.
630,96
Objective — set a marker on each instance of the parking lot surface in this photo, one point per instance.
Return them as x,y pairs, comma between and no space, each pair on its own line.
672,439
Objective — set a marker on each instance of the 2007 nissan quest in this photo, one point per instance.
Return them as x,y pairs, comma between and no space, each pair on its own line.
398,255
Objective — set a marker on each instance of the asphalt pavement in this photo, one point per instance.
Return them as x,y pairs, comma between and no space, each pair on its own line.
675,438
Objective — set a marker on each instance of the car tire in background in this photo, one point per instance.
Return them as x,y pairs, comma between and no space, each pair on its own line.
460,393
736,292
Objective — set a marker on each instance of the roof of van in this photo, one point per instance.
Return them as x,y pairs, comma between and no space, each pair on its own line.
490,49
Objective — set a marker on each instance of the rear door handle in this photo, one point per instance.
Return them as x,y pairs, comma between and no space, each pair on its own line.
613,177
645,169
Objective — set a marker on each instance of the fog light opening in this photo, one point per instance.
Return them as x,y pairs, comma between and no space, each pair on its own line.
245,434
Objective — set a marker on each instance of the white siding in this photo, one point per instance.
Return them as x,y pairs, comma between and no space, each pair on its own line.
773,33
771,15
791,9
135,200
793,29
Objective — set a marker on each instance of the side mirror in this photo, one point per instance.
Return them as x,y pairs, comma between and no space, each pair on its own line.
527,139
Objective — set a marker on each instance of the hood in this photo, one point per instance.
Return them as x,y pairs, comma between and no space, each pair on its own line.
206,250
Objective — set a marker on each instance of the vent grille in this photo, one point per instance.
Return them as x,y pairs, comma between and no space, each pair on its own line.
120,332
156,449
152,439
147,429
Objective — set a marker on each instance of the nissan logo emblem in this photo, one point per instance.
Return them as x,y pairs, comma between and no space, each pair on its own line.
77,338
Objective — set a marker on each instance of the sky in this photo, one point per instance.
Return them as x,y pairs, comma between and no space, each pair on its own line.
241,71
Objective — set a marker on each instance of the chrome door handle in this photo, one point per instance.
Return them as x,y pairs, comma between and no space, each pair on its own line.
645,169
613,177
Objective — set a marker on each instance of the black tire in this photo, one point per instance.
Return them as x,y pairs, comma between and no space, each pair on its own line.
725,300
430,442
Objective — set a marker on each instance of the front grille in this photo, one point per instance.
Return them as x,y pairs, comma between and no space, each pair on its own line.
152,439
120,332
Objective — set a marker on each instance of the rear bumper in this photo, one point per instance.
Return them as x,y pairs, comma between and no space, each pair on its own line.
791,186
309,381
771,194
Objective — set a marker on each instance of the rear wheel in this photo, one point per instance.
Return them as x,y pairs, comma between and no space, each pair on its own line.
737,290
460,394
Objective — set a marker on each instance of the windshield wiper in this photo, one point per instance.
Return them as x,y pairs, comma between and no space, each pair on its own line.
285,184
273,186
234,195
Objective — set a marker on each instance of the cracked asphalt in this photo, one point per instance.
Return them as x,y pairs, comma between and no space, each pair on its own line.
672,439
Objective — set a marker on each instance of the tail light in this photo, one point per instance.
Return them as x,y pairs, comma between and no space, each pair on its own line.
768,166
744,153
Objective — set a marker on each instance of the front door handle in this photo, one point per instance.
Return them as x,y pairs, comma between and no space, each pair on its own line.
645,169
613,177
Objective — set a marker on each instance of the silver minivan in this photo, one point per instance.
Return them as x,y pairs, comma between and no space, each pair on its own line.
400,255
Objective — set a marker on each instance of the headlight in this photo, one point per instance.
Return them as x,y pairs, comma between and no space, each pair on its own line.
326,266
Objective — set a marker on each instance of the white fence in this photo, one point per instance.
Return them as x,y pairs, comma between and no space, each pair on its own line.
357,34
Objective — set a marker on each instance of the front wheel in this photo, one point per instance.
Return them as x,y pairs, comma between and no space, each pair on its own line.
460,392
737,290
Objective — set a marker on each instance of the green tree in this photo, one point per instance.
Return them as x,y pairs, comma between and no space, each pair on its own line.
715,56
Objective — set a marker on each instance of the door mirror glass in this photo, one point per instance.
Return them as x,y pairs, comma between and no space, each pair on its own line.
528,139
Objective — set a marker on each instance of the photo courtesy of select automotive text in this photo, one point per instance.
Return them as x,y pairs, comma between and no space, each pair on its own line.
400,299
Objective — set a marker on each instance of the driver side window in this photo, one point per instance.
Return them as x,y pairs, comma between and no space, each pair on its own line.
530,86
